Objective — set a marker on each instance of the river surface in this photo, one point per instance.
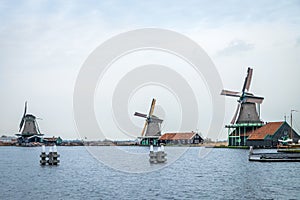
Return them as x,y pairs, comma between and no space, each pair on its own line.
221,174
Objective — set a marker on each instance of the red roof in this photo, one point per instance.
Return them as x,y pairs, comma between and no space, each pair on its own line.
177,136
167,136
268,129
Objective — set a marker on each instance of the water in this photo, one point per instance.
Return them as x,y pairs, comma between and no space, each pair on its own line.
222,174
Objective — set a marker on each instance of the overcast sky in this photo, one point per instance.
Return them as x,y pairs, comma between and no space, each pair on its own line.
43,45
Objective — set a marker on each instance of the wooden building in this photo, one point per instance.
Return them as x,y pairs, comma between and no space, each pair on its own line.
52,140
181,138
148,140
39,139
7,140
238,133
268,135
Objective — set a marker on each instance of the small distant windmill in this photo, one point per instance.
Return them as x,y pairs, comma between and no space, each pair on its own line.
152,125
28,125
246,111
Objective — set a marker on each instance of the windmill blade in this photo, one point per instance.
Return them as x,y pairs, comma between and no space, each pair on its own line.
37,127
23,117
248,94
21,124
25,110
254,99
235,114
247,80
250,72
144,129
140,115
230,93
152,107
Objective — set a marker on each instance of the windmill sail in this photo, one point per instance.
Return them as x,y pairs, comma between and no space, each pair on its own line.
140,115
37,128
145,126
23,117
236,114
249,78
230,93
152,107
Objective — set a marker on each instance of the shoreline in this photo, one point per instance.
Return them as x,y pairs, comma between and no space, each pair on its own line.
206,145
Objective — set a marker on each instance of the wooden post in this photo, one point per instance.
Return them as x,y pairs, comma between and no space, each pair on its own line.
51,158
43,156
157,157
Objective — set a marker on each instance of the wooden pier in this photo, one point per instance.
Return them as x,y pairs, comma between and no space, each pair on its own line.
274,157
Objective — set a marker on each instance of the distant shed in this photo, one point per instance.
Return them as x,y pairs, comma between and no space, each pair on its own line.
181,138
52,140
269,134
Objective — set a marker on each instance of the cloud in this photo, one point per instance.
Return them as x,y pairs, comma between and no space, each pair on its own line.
235,47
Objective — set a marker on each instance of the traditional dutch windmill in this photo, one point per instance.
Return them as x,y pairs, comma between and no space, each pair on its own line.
28,125
247,114
152,127
246,111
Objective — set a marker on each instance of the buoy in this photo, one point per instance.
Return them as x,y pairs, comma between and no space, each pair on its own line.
55,156
157,157
151,148
161,155
152,155
51,158
43,156
162,148
251,150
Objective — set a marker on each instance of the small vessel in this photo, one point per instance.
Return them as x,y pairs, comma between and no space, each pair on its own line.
285,140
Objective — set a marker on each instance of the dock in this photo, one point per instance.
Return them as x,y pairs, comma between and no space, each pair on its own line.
274,157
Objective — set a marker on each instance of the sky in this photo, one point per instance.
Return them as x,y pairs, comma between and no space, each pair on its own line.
43,45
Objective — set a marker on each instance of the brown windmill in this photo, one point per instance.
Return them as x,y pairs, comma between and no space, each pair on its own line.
246,111
152,127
